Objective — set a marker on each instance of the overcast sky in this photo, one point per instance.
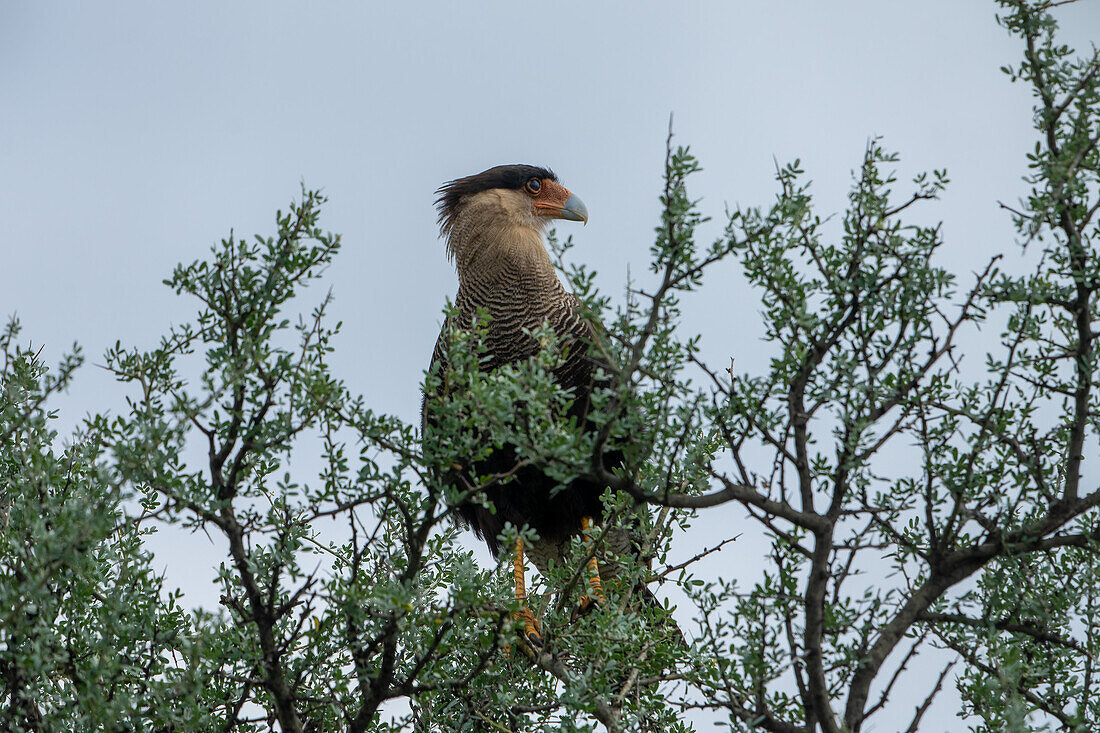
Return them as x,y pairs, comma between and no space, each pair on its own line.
134,135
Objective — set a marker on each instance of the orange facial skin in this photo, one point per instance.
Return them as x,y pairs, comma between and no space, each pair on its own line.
554,200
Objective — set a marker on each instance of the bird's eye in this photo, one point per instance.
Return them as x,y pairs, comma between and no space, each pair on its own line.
533,186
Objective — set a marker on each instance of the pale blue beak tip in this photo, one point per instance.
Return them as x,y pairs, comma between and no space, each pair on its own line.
574,209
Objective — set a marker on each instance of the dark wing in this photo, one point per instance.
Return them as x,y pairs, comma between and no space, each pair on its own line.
526,494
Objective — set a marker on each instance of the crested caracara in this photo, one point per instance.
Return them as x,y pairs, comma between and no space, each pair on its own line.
493,223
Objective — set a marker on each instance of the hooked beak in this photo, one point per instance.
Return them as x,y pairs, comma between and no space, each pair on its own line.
574,209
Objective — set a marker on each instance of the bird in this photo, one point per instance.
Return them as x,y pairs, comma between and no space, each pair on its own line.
493,223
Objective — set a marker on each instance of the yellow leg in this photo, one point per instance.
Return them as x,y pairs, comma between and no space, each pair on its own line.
595,587
530,624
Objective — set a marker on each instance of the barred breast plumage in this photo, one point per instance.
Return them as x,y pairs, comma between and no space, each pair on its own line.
515,307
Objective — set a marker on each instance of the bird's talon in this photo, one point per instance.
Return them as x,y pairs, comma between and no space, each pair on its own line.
532,634
586,605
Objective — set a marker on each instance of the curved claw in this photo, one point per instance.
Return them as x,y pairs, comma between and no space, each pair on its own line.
532,632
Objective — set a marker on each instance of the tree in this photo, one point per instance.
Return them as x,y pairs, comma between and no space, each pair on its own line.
913,504
89,639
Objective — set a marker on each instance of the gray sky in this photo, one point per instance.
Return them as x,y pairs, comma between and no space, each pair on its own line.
135,135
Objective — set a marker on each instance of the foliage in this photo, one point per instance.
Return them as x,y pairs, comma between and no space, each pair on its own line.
912,507
89,638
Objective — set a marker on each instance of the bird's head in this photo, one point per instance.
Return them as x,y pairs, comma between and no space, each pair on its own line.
497,210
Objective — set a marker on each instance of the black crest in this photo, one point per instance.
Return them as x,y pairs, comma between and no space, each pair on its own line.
501,176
